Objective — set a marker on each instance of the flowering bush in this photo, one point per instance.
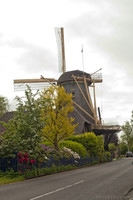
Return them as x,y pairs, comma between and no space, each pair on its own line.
75,147
25,162
74,154
45,147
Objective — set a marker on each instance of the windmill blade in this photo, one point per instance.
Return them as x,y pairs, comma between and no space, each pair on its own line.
35,84
97,77
59,32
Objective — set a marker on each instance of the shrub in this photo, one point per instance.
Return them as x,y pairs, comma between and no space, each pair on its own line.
88,140
47,143
107,156
71,153
100,148
45,171
123,148
75,147
112,148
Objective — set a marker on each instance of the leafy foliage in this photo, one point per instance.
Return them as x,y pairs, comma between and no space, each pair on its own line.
24,131
112,148
100,148
107,156
75,147
4,105
123,148
127,134
88,140
57,123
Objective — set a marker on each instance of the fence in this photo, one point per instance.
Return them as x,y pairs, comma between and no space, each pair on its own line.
6,164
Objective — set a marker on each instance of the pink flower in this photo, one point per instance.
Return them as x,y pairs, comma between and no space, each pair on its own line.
26,159
20,154
26,155
21,160
32,161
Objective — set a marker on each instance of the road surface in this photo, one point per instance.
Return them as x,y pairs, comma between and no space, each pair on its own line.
102,182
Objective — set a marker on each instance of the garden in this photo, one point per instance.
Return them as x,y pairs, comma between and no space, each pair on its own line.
41,139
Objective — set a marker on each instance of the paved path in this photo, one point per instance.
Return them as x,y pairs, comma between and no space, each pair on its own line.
103,182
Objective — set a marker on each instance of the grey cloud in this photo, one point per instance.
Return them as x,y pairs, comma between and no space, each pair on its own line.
1,35
18,43
34,58
109,30
1,38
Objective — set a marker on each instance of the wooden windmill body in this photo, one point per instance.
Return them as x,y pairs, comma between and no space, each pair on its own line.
78,83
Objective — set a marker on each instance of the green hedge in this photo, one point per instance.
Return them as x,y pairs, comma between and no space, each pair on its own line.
88,140
75,147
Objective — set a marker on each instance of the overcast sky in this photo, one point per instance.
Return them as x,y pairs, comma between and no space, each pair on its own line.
28,46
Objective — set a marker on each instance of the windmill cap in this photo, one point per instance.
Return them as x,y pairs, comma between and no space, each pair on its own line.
68,76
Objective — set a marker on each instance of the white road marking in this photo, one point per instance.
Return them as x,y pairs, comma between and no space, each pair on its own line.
63,188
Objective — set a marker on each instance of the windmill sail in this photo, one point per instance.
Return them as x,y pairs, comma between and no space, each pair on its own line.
59,32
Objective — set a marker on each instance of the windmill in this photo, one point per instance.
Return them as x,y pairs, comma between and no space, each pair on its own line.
85,111
78,83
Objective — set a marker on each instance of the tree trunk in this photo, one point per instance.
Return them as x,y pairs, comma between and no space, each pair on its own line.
128,146
56,145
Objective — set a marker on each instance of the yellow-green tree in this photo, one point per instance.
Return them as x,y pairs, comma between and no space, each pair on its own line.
57,124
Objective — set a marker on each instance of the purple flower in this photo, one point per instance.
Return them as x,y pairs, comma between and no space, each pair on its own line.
44,147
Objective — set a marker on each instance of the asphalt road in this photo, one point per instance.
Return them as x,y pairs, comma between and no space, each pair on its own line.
103,182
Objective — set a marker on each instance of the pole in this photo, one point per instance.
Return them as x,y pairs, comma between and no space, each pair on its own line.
82,59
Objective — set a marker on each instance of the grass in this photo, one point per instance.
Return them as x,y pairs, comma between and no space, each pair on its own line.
11,176
10,179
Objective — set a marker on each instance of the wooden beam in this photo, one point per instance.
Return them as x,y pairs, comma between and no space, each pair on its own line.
81,78
63,51
89,79
35,80
97,80
106,127
88,94
83,110
83,94
95,102
47,80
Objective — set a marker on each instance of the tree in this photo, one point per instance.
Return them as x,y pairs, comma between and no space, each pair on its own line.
127,134
100,148
4,105
123,147
23,133
57,107
112,148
